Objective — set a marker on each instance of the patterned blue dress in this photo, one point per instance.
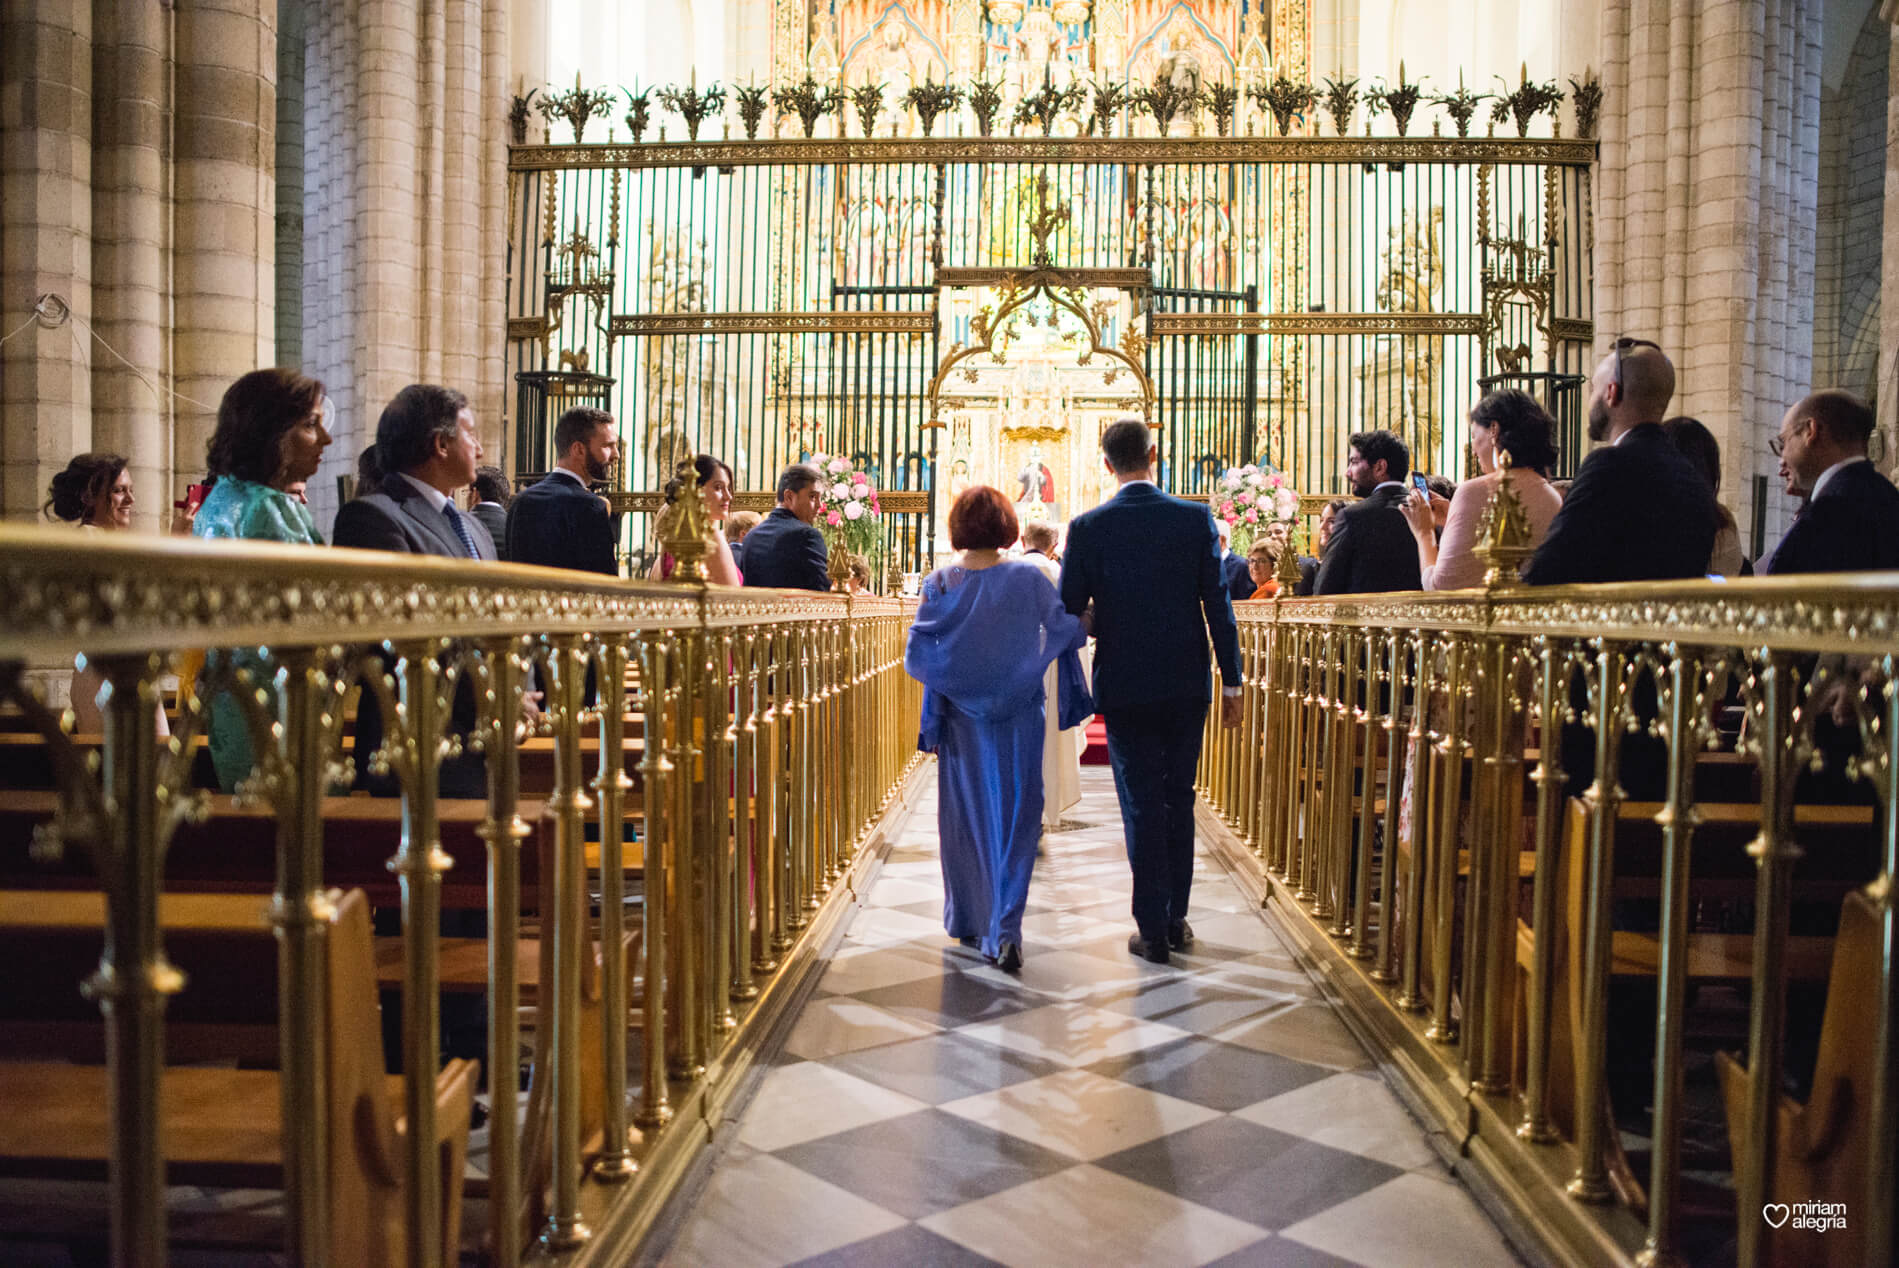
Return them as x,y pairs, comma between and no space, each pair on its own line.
255,512
980,643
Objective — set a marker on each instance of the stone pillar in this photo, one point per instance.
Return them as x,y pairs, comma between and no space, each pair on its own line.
1888,403
290,50
223,266
45,242
128,121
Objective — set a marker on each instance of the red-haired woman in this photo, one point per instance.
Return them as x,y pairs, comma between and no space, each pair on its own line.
985,631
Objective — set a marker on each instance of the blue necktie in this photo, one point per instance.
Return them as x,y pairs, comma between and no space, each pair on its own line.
461,529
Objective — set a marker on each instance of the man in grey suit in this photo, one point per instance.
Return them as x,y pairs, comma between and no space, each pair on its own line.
492,493
427,449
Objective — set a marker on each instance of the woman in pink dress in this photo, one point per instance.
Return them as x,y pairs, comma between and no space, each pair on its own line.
1512,422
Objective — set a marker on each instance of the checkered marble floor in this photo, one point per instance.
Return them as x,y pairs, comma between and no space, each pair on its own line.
929,1109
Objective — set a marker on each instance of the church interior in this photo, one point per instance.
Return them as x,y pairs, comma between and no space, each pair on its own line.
1537,924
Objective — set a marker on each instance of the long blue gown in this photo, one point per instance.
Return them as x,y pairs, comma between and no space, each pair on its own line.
979,646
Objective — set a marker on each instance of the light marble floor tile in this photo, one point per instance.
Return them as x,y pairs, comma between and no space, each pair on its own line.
1080,1114
896,891
1072,1033
880,926
1085,1217
1242,931
1354,1112
858,968
1310,1032
756,1212
807,1100
838,1023
1383,1226
1072,973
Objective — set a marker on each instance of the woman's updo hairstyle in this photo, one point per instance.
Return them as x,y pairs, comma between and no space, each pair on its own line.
79,492
705,464
1525,429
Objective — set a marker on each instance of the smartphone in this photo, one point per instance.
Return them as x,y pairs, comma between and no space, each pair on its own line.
195,495
1418,482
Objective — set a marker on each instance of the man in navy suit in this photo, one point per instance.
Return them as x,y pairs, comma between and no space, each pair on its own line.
1150,565
1851,520
784,551
559,522
1371,549
1234,574
1637,509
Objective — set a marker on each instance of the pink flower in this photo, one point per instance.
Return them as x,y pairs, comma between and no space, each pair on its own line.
1252,517
853,510
833,519
1246,499
874,508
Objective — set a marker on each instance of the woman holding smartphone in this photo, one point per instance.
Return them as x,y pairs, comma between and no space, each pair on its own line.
1509,422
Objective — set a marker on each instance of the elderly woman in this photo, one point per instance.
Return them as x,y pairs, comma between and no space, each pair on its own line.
984,632
269,441
1262,557
1512,422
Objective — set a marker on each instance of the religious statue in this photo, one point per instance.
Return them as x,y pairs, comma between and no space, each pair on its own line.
1413,274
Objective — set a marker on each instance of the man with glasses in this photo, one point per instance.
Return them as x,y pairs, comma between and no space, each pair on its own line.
1851,520
1637,510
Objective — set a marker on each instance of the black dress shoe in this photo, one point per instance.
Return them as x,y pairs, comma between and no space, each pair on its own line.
1009,957
1154,952
1180,935
969,942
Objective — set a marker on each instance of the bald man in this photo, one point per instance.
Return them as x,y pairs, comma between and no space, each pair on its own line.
1637,510
1851,520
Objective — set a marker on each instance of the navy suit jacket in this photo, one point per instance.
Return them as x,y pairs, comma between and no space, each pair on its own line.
1637,511
557,522
1236,577
784,552
1150,563
1853,526
1372,550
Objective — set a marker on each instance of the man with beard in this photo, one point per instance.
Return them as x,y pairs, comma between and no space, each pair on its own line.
559,522
1371,550
1637,509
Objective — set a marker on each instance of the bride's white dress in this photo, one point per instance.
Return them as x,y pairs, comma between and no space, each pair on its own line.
1061,750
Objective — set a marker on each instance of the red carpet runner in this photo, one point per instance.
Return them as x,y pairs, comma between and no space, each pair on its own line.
1096,754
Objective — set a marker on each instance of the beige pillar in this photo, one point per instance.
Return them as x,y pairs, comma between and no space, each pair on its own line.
1888,404
290,49
223,266
128,140
45,242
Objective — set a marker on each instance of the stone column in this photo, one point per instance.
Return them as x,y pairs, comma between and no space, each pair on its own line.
45,242
224,262
128,121
1888,380
290,49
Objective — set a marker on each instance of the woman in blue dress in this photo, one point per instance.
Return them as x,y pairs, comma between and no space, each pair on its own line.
269,441
984,633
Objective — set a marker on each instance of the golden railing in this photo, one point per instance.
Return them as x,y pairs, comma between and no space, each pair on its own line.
1397,796
776,730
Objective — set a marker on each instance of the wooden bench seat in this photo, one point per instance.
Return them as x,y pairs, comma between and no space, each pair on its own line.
223,1126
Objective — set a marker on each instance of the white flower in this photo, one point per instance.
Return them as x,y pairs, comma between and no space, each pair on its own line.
1286,503
853,510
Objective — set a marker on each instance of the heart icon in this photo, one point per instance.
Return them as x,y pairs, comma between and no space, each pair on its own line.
1775,1213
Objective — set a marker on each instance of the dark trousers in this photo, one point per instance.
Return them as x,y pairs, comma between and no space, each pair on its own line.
1153,750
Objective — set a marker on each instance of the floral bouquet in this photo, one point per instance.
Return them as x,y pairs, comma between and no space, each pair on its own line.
1251,500
849,514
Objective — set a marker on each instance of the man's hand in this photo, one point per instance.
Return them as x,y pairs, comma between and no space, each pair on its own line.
1230,711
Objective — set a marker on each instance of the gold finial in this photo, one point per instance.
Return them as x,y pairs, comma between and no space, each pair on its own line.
682,527
838,566
1286,569
1503,535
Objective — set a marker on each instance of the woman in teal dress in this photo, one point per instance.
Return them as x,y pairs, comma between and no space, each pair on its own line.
268,443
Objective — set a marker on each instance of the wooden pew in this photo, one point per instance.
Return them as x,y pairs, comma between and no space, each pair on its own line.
1839,845
223,1126
1823,1151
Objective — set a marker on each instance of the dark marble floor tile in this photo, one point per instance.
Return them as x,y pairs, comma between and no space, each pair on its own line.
1252,1173
919,1164
942,1068
1210,1073
909,1246
955,999
1279,1252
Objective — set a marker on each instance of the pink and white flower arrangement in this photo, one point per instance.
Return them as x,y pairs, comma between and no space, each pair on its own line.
1251,500
849,513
